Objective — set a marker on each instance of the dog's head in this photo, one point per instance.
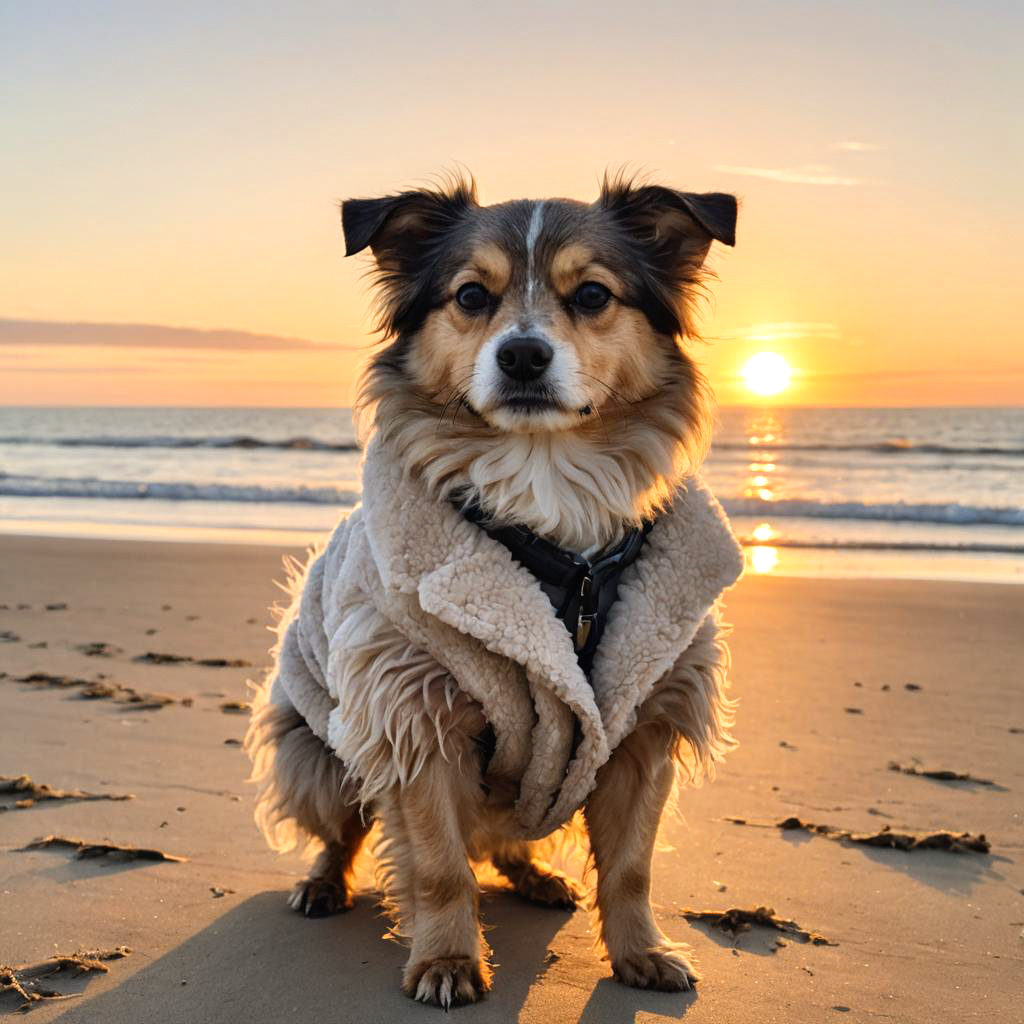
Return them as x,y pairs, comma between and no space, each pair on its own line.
538,315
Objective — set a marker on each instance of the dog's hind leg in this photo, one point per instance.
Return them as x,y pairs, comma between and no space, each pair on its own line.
326,889
622,817
305,798
534,879
426,826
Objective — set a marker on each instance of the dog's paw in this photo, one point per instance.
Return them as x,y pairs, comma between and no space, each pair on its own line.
448,981
552,889
320,897
664,968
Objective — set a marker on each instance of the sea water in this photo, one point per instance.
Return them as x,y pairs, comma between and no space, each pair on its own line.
909,492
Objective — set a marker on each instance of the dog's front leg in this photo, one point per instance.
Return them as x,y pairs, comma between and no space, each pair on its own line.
622,817
447,964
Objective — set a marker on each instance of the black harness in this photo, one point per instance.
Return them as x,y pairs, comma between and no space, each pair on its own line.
581,592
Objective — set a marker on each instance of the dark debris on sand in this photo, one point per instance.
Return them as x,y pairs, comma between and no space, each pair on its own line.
101,689
98,649
85,849
737,920
235,707
27,982
943,774
160,658
27,793
885,838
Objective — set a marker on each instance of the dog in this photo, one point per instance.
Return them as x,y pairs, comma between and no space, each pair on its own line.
535,393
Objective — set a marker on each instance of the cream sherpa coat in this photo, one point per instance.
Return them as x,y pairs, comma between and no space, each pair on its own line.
407,562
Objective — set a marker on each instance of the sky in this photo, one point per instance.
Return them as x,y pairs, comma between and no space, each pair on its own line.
170,174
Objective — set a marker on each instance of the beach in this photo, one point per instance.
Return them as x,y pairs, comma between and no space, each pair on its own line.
836,679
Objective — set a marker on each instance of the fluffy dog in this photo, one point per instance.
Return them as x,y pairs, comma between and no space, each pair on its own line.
533,392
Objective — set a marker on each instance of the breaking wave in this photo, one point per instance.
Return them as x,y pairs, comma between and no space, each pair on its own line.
230,441
892,512
896,446
91,487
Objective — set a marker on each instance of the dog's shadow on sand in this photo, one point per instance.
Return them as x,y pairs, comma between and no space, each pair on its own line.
261,963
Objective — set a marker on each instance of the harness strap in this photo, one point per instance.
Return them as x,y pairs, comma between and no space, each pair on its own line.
582,592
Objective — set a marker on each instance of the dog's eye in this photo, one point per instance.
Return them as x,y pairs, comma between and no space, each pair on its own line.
591,296
473,297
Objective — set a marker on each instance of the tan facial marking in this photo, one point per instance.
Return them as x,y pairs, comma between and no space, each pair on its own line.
573,264
490,265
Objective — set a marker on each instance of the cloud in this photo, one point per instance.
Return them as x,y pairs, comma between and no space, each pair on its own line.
857,147
51,332
808,174
923,372
73,369
785,330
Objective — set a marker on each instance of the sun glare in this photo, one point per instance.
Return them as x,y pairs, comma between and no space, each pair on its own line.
767,373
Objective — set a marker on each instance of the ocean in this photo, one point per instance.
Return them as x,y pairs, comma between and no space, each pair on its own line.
898,492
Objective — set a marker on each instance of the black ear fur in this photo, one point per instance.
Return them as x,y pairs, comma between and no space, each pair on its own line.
407,233
643,206
423,213
361,219
668,234
714,211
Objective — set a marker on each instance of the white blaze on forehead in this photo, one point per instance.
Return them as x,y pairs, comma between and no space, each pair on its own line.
532,234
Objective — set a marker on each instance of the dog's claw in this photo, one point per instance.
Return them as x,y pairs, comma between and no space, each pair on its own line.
447,982
320,897
666,969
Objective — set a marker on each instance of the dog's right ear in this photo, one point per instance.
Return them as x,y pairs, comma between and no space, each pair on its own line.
361,219
404,233
400,225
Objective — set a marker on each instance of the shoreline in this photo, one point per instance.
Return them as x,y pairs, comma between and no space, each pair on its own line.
826,562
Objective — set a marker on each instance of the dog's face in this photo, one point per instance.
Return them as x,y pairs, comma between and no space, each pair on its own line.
539,314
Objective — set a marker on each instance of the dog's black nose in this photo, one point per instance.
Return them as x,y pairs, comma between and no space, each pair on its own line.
524,359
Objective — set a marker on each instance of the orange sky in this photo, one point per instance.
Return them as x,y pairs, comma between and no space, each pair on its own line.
182,168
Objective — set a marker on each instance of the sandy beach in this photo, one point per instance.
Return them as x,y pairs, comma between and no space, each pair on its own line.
837,678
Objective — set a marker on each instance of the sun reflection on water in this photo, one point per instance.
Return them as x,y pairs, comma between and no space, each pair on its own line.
764,428
764,432
762,559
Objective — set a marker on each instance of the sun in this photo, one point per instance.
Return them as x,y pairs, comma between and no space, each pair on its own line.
767,373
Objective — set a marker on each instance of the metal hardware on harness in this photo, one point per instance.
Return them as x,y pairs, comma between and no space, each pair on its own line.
582,592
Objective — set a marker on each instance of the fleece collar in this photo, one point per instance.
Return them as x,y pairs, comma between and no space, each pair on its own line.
582,591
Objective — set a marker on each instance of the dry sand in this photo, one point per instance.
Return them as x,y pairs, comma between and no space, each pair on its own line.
923,936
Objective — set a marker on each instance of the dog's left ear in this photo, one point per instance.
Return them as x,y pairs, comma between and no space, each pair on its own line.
677,228
714,211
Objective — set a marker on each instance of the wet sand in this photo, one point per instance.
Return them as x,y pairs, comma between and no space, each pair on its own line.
822,668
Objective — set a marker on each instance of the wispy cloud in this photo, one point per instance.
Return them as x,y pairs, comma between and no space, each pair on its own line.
806,174
856,147
786,330
73,369
50,332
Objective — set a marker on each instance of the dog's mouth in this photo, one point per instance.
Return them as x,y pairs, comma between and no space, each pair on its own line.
519,409
529,401
529,404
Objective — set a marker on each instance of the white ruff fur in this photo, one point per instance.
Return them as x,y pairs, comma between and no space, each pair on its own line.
580,489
